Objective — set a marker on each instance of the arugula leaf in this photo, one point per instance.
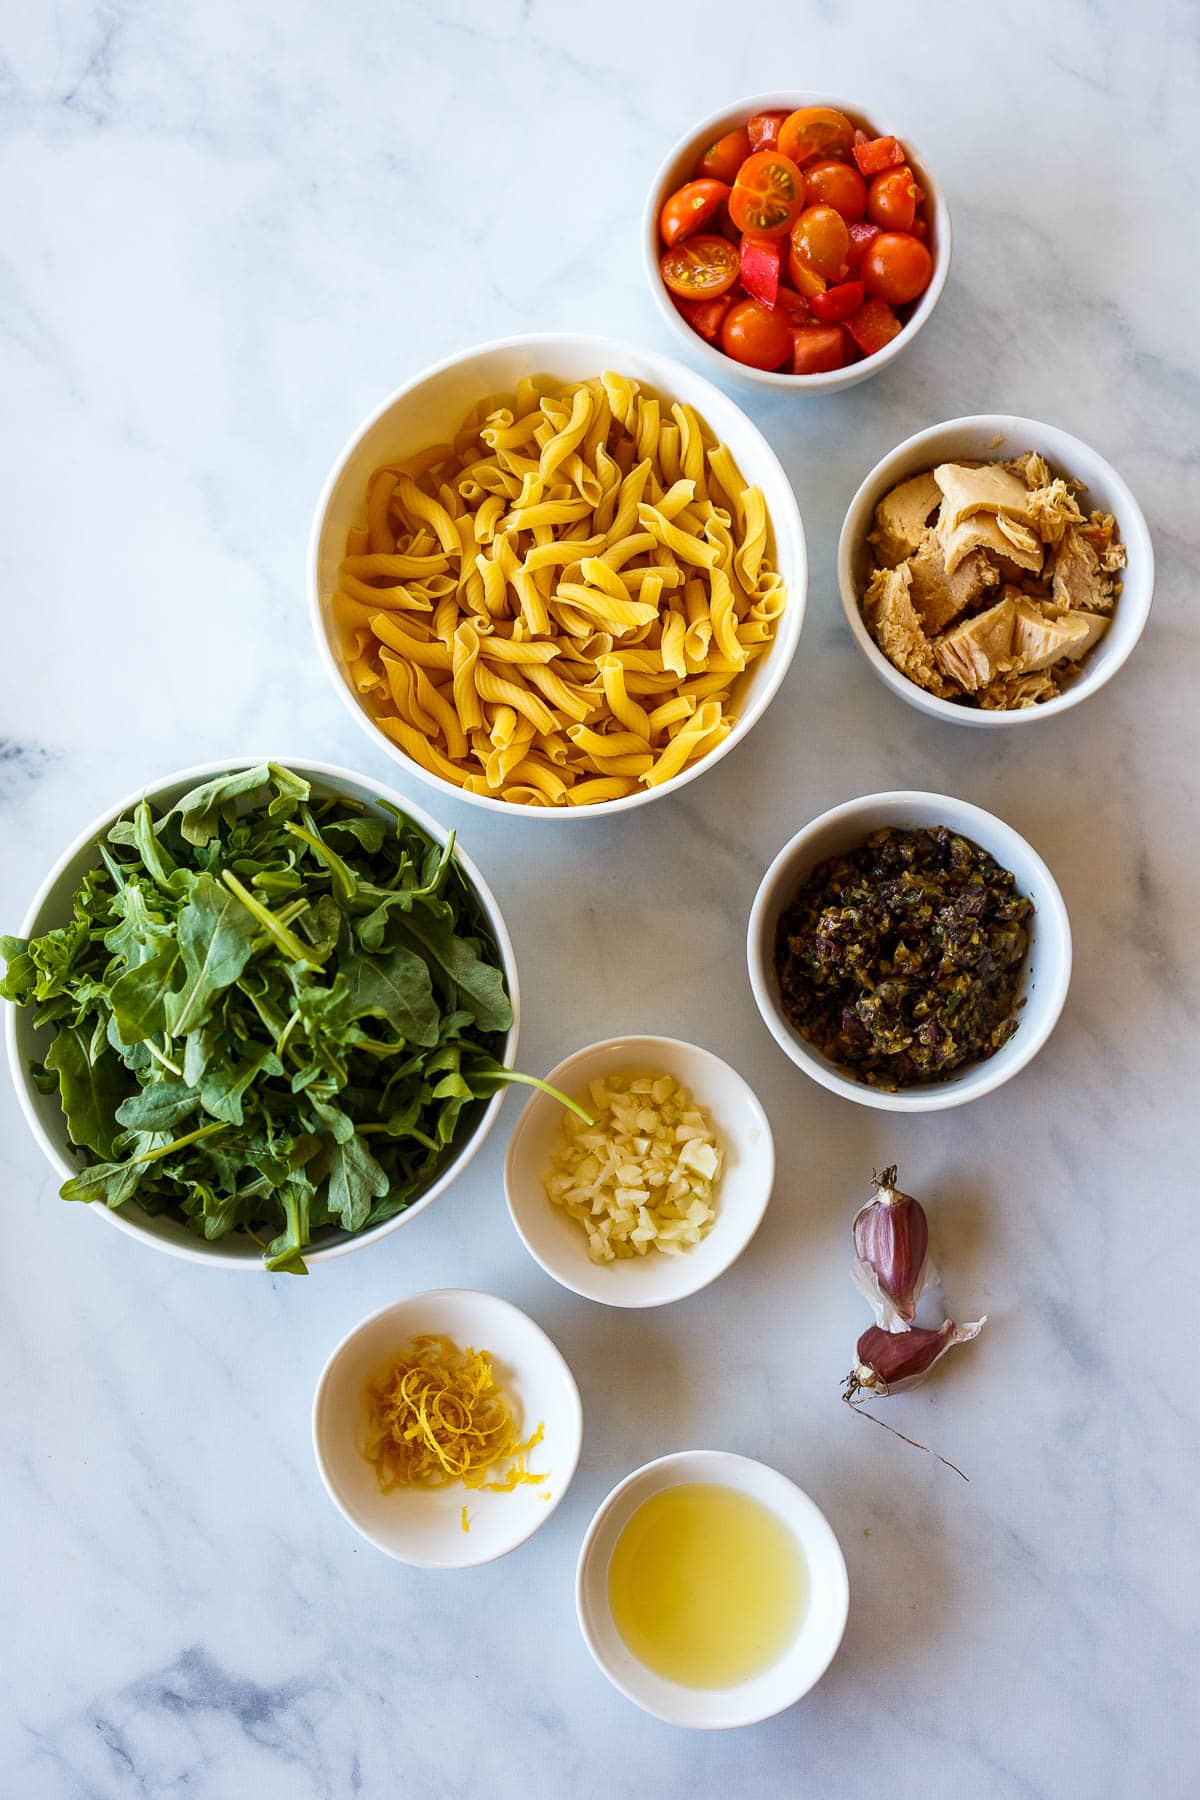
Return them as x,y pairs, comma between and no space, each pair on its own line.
90,1091
215,941
355,1179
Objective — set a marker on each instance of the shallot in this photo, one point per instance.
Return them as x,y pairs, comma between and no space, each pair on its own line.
891,1240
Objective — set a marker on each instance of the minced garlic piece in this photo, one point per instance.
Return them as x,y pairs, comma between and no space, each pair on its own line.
643,1176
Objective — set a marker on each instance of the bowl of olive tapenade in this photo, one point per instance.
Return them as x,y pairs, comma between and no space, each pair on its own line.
909,951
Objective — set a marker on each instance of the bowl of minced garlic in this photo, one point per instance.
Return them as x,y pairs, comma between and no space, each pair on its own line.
447,1428
661,1191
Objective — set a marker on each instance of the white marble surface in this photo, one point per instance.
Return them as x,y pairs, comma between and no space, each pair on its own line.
227,230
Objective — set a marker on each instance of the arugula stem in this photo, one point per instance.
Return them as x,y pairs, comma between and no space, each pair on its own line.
180,1143
159,1056
287,940
543,1087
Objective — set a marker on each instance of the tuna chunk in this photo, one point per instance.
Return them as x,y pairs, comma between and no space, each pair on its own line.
984,531
979,649
901,516
994,488
897,630
940,598
1042,636
1080,578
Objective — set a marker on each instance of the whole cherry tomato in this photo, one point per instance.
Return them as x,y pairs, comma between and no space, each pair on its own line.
839,185
756,335
896,267
689,208
892,200
816,131
722,160
700,268
767,196
763,129
821,242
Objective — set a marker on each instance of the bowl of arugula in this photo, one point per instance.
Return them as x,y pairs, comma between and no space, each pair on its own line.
261,1015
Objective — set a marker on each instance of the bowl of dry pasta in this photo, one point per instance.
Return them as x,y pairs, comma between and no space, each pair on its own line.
557,575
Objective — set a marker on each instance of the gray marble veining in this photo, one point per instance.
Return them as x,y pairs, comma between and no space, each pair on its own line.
227,230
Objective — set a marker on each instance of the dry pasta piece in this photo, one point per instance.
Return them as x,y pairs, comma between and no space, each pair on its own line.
555,608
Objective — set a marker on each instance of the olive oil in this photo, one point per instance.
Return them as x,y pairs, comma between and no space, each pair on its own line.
706,1585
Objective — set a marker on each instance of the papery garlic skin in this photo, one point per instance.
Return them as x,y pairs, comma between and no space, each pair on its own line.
891,1362
891,1241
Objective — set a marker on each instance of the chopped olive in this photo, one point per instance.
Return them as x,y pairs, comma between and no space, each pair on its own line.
901,960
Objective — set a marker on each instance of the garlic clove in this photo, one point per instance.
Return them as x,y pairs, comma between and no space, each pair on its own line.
891,1241
889,1362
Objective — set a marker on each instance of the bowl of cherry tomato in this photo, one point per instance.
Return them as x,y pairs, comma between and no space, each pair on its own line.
790,244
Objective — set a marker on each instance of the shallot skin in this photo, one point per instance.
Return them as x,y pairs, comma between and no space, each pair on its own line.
889,1362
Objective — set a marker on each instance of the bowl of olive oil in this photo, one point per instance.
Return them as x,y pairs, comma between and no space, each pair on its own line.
711,1590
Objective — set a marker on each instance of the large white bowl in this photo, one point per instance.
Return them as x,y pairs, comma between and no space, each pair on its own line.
983,437
430,408
1045,977
678,166
51,906
558,1242
797,1669
423,1526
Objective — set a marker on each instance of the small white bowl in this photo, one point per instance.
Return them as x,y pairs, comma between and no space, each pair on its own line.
983,437
423,1526
800,1666
51,906
430,408
557,1241
1045,978
678,166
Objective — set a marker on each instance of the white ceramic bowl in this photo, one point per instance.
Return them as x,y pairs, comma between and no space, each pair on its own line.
51,906
423,1526
558,1243
800,1666
1046,975
678,166
981,437
431,407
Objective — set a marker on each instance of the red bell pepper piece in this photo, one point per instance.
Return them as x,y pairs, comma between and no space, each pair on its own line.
705,316
763,128
879,153
873,326
838,303
862,236
762,259
816,349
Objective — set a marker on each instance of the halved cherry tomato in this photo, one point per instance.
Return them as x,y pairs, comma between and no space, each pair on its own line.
705,316
817,349
877,154
763,129
862,236
756,335
892,200
815,131
836,184
762,259
806,281
722,160
897,268
873,326
838,303
821,241
767,196
725,225
700,268
689,208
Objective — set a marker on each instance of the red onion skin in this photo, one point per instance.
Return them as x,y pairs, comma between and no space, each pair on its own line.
889,1362
891,1237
